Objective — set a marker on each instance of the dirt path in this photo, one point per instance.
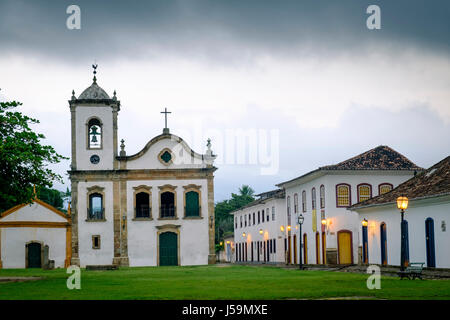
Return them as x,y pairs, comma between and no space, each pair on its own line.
18,279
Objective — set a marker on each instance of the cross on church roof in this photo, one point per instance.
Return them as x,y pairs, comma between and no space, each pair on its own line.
165,130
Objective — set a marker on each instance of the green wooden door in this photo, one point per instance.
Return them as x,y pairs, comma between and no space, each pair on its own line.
192,204
34,255
168,249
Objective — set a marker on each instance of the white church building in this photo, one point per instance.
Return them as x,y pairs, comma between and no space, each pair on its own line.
155,207
427,218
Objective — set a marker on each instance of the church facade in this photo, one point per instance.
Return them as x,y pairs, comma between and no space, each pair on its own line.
152,208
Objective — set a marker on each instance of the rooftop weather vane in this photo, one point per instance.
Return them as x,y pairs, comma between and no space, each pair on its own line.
165,115
94,66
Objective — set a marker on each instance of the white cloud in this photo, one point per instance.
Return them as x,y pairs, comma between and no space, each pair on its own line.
314,91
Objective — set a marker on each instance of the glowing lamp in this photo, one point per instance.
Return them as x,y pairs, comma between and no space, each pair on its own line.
365,223
402,203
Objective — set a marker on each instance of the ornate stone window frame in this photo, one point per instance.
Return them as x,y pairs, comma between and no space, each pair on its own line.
145,189
160,157
99,242
194,188
163,189
168,228
87,133
90,191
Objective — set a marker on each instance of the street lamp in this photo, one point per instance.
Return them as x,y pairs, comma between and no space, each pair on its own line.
365,223
243,234
300,220
402,205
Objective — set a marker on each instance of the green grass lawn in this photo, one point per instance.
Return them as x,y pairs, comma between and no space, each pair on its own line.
215,282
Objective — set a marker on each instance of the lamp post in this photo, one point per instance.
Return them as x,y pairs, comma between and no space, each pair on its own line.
365,223
300,220
324,224
402,205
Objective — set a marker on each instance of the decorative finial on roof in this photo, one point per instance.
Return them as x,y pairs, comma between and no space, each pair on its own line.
94,66
122,148
73,95
114,97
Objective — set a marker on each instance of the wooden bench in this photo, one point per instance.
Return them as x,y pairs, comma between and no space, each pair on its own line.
413,271
101,267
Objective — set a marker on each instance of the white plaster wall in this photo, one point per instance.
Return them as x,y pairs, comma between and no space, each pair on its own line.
194,233
86,230
13,241
181,157
416,215
337,218
271,229
34,212
105,114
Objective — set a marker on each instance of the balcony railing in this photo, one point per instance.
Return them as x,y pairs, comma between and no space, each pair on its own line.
167,212
96,214
143,212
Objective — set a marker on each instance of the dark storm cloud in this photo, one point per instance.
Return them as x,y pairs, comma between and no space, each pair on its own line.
221,29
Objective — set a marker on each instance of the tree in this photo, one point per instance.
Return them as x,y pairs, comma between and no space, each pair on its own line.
23,159
224,221
52,197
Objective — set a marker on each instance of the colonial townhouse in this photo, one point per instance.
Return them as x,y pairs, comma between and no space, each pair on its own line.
260,229
322,196
426,219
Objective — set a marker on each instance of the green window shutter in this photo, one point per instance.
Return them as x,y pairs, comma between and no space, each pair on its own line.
192,204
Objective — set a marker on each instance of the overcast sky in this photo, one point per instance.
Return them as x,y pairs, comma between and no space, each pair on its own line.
309,73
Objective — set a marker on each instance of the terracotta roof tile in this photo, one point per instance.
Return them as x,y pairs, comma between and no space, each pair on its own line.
431,182
379,158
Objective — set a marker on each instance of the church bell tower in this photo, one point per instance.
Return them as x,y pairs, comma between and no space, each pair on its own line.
94,129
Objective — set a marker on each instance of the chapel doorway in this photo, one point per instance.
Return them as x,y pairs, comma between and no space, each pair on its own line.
168,249
34,257
345,247
429,238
